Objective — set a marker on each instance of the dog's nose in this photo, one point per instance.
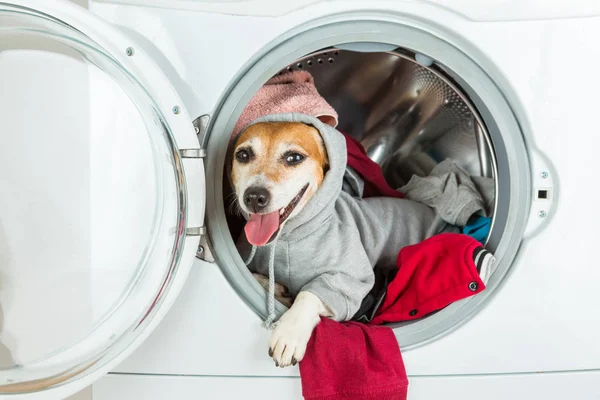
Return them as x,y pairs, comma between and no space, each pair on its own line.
256,198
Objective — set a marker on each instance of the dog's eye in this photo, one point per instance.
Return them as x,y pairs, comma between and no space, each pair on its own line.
293,158
243,155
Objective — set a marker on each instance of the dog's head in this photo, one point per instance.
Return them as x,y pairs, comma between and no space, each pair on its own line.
276,167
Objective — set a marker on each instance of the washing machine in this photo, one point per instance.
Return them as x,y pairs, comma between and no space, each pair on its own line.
119,277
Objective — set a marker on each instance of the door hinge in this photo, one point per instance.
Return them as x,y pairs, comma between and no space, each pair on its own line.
201,126
205,252
192,153
201,123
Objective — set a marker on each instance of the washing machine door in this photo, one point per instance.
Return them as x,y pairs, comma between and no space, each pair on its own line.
101,197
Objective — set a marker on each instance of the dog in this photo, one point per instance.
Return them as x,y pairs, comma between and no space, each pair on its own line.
277,167
308,227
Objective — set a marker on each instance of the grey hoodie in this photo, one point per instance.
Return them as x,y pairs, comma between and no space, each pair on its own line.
331,247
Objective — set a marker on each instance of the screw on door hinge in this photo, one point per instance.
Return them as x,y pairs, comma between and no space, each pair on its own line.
201,126
205,249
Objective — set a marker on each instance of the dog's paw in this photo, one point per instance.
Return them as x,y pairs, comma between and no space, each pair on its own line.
289,339
281,292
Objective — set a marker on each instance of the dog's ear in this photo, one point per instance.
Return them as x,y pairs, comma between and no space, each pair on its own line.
325,155
324,151
321,146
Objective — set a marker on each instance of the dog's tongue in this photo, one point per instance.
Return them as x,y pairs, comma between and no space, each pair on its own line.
260,228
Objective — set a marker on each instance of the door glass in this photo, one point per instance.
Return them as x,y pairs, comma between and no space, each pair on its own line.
90,213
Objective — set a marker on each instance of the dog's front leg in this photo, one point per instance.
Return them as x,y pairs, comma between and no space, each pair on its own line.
290,337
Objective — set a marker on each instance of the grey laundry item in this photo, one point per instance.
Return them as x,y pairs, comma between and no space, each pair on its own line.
352,183
331,247
452,193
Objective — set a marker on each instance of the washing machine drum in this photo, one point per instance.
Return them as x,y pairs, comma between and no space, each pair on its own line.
96,232
410,113
408,116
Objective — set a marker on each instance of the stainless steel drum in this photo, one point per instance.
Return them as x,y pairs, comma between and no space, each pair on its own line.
409,117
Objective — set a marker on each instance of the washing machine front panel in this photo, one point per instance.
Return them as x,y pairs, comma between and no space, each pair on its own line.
102,199
541,318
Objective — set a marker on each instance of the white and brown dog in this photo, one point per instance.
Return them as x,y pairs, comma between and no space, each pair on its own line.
277,167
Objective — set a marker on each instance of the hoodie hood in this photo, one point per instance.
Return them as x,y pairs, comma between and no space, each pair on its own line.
322,204
289,92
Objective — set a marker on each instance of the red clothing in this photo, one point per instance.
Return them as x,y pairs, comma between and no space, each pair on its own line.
375,184
431,275
350,360
353,361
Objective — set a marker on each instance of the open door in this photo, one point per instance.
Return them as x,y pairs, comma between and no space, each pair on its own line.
101,197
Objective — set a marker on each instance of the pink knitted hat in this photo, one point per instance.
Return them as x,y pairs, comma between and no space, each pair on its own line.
292,92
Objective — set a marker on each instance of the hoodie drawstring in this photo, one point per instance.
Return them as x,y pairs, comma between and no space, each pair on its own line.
268,323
